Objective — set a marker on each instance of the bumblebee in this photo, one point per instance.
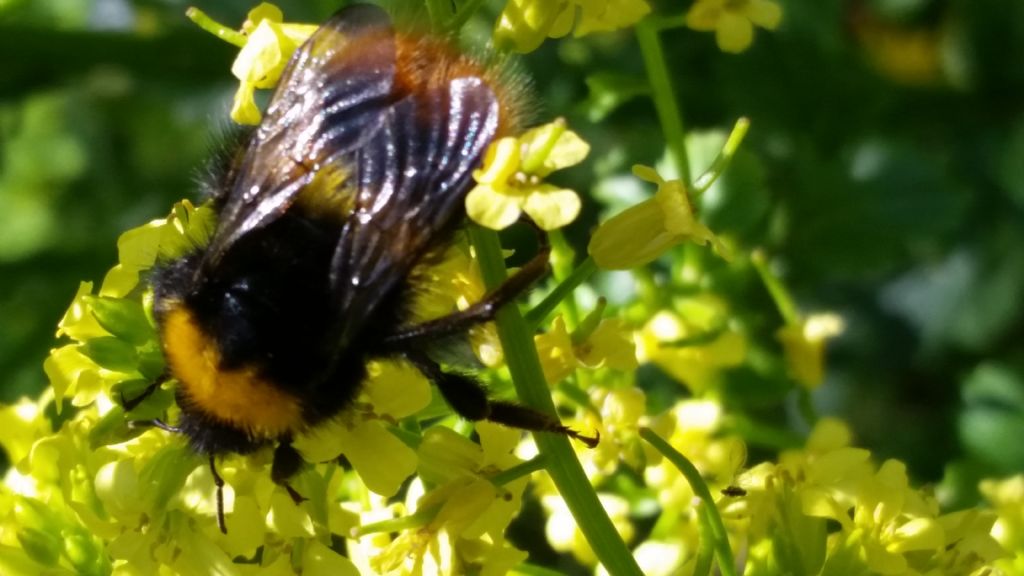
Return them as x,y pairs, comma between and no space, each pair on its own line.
328,214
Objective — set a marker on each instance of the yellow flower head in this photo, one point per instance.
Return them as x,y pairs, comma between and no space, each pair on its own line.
266,43
524,24
510,181
642,233
804,346
733,20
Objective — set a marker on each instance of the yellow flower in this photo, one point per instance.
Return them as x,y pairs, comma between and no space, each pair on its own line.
563,532
469,512
456,284
644,232
694,345
525,23
554,348
733,20
267,43
804,346
510,181
393,391
1006,497
609,344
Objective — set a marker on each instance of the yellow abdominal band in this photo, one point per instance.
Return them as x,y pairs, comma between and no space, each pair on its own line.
239,398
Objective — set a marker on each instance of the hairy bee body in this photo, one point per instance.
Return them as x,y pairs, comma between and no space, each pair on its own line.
355,179
353,184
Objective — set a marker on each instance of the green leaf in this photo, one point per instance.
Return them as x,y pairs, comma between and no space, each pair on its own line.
123,318
111,353
993,423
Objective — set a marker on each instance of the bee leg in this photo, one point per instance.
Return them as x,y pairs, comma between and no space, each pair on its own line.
219,483
468,398
130,405
287,463
479,312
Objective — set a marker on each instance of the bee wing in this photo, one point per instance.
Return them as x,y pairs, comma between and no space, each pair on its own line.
414,174
329,102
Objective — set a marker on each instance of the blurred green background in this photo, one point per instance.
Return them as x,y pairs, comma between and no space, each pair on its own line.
884,173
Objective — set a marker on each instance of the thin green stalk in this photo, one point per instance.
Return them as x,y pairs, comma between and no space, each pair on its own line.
724,157
421,518
539,314
216,28
806,405
706,550
563,263
408,437
560,461
464,13
518,471
669,116
783,300
726,562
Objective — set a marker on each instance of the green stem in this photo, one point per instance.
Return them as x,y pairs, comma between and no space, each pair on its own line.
669,116
779,293
726,563
216,28
539,314
464,13
563,263
560,461
421,518
706,549
408,437
721,162
806,404
518,471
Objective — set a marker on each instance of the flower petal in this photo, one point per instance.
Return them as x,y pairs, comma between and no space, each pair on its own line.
492,209
704,15
551,207
764,13
632,238
734,33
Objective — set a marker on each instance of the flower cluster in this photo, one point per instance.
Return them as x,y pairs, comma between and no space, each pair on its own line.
524,24
733,21
511,179
837,512
397,485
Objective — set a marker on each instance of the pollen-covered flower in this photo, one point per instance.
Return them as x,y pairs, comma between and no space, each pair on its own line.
804,345
733,21
511,180
526,23
643,232
266,43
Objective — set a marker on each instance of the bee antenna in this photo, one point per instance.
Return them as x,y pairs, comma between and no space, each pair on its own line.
219,482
